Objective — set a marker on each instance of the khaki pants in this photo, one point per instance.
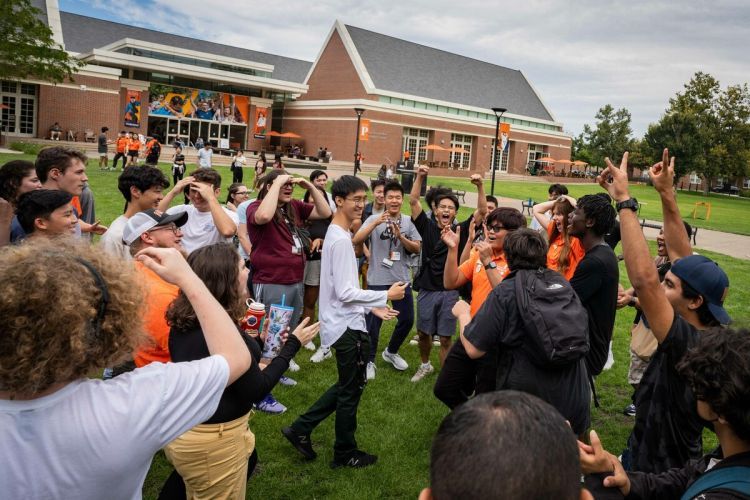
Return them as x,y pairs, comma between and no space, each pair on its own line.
212,459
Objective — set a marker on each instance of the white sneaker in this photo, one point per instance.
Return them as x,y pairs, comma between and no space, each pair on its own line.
293,366
436,341
370,370
610,358
321,354
414,340
310,346
396,360
422,372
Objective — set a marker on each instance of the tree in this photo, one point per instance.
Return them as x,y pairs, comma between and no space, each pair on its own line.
611,135
27,49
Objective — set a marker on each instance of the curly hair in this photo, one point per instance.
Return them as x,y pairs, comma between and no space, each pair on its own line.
218,266
142,178
11,177
598,207
564,208
264,184
52,329
718,371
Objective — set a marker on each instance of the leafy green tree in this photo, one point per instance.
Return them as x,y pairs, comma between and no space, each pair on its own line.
611,135
27,49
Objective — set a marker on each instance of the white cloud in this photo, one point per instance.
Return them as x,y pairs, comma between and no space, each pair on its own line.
579,54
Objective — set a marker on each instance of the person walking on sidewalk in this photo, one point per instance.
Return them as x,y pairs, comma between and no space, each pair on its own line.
342,311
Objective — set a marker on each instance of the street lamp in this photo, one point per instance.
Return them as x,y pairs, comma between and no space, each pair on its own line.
498,113
359,112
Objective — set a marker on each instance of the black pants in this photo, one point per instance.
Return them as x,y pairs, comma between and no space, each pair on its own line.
177,175
343,397
117,157
462,376
237,174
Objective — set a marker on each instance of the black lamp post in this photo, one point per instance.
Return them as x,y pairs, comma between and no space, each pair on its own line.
498,113
359,112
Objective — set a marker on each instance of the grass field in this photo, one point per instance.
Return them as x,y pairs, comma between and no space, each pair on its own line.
397,419
728,214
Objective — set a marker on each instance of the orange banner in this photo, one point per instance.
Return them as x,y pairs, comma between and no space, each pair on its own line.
364,130
259,123
504,136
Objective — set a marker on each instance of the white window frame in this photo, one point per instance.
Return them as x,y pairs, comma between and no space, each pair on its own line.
18,97
465,142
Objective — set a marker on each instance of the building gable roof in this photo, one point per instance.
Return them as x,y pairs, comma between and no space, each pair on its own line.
83,34
409,68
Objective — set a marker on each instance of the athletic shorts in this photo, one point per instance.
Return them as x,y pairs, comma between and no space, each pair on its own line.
133,154
435,312
311,277
291,295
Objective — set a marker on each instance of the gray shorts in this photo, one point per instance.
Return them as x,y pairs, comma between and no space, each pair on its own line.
636,369
272,294
434,312
311,277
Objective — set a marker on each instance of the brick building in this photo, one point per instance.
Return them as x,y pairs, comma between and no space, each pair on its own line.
414,98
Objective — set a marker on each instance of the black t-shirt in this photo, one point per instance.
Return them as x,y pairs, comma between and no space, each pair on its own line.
434,252
595,281
497,325
667,430
251,387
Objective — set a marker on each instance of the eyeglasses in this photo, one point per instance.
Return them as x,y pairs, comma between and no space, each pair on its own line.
171,227
495,228
357,201
241,193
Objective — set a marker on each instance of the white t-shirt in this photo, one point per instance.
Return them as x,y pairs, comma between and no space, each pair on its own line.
199,230
111,241
204,157
239,161
242,219
343,303
95,439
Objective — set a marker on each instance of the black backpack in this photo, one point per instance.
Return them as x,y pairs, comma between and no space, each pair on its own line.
555,321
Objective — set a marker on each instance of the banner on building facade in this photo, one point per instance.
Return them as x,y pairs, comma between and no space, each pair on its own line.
364,130
504,136
259,127
133,109
180,102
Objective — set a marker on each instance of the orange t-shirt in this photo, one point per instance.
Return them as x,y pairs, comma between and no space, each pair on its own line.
122,144
474,271
555,249
159,294
134,145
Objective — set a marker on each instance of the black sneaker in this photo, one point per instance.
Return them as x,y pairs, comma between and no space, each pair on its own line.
301,442
357,459
629,411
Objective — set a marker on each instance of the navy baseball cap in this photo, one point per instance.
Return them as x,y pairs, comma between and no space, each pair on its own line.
708,279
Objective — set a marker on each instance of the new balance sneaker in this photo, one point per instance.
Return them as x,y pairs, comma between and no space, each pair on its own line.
321,354
357,459
370,370
629,411
422,372
301,442
270,405
284,380
310,346
396,360
293,366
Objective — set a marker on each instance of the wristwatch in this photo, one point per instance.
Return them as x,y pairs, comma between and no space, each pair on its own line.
631,203
491,265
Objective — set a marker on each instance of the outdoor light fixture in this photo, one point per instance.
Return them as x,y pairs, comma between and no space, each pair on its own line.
498,113
359,112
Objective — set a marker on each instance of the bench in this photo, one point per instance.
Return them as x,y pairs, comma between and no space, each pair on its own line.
460,194
527,205
659,226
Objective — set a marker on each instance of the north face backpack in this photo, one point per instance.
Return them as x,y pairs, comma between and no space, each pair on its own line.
555,321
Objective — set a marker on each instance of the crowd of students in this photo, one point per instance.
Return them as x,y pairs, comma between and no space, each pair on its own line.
535,312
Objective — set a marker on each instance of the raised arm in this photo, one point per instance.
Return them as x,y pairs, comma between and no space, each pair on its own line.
640,267
367,228
540,212
322,209
409,245
452,277
219,330
416,190
267,209
175,191
223,222
675,237
481,211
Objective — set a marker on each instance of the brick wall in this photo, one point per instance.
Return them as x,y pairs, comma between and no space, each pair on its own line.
334,76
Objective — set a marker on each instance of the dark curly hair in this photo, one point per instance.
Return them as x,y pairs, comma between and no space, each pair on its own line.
718,371
142,178
11,177
598,207
217,266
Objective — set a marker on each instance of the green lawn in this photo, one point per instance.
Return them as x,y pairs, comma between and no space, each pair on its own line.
397,419
728,214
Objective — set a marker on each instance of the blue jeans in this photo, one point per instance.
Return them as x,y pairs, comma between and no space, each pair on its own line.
405,320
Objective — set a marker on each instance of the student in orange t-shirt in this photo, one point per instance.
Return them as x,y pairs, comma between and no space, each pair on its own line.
565,252
485,269
121,146
134,146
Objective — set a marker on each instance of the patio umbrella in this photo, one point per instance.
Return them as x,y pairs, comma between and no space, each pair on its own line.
273,133
546,159
457,150
579,163
565,162
433,147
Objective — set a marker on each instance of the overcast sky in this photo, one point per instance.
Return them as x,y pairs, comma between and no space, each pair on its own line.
579,55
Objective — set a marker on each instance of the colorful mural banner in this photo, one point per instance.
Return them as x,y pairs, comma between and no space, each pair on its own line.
364,130
260,121
133,109
505,136
180,102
